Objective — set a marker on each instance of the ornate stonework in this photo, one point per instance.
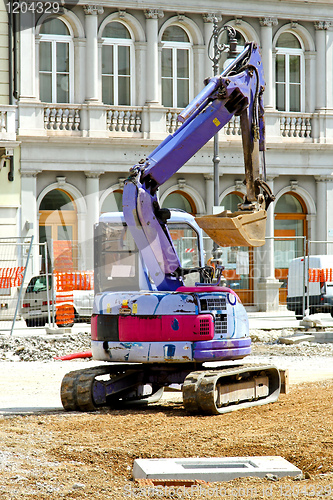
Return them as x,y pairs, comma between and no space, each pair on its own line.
154,13
93,9
323,25
268,21
209,17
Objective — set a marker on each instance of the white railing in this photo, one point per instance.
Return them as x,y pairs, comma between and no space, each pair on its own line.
296,126
124,120
172,124
7,123
233,128
62,118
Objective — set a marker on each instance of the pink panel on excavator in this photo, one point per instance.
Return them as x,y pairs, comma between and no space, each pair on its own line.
166,328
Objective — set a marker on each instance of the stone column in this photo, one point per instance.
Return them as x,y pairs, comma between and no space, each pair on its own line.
152,75
266,31
29,211
27,75
141,73
321,27
321,225
268,286
92,201
91,25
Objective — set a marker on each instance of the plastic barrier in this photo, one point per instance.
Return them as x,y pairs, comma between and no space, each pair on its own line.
64,299
320,275
65,283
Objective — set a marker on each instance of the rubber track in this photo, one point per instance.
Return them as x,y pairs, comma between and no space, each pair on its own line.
77,389
199,389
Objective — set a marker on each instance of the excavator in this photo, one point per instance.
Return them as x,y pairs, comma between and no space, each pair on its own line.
161,316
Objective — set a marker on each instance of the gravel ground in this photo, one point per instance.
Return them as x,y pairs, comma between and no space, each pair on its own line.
47,453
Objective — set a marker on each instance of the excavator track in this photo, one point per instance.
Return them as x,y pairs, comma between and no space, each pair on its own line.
77,389
211,391
82,391
221,391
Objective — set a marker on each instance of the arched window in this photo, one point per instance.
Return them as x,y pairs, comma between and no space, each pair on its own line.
113,202
289,68
117,65
55,62
176,61
181,201
289,230
58,227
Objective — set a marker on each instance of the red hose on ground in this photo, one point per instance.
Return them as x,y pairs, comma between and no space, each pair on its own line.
75,355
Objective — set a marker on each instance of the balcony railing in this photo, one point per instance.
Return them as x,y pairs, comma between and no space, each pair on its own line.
134,121
123,120
296,126
65,118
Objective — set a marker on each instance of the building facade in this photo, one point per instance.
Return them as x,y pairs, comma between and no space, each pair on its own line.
100,86
9,150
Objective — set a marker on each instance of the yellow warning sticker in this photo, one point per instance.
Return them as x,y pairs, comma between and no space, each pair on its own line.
216,122
135,308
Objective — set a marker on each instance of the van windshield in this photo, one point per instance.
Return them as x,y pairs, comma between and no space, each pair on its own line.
38,284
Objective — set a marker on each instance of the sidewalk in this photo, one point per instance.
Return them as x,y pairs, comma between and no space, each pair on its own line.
282,319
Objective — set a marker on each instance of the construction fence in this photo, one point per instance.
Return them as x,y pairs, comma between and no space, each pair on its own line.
34,292
245,269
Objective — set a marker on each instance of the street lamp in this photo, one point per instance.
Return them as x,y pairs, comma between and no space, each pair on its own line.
215,50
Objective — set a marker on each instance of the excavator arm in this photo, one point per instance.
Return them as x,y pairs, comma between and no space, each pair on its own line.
237,91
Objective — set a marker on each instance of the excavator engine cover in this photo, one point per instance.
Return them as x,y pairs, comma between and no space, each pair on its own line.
243,229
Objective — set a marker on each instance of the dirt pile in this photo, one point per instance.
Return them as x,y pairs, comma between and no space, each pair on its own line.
79,456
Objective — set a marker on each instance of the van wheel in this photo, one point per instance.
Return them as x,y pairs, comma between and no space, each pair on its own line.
299,314
35,322
332,313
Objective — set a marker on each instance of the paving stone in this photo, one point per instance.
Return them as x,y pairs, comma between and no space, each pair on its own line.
213,469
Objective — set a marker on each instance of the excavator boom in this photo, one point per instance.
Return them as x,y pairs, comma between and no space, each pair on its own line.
237,91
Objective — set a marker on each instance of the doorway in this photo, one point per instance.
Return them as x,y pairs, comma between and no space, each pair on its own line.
58,227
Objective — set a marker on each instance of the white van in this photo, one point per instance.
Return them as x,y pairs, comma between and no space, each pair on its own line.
320,292
34,309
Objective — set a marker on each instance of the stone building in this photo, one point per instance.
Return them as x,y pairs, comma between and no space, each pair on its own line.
9,150
100,85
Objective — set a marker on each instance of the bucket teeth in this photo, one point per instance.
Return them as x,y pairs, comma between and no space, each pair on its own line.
243,229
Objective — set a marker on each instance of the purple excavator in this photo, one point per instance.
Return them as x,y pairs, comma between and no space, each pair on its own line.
161,316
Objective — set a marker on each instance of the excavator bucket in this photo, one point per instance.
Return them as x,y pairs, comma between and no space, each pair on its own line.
243,229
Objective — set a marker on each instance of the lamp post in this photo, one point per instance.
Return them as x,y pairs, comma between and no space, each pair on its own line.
215,50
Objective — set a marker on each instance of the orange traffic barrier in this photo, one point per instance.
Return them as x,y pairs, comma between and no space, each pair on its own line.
65,283
327,274
64,299
321,275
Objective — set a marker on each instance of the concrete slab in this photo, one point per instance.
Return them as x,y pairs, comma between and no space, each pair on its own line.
323,338
296,339
58,330
213,469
